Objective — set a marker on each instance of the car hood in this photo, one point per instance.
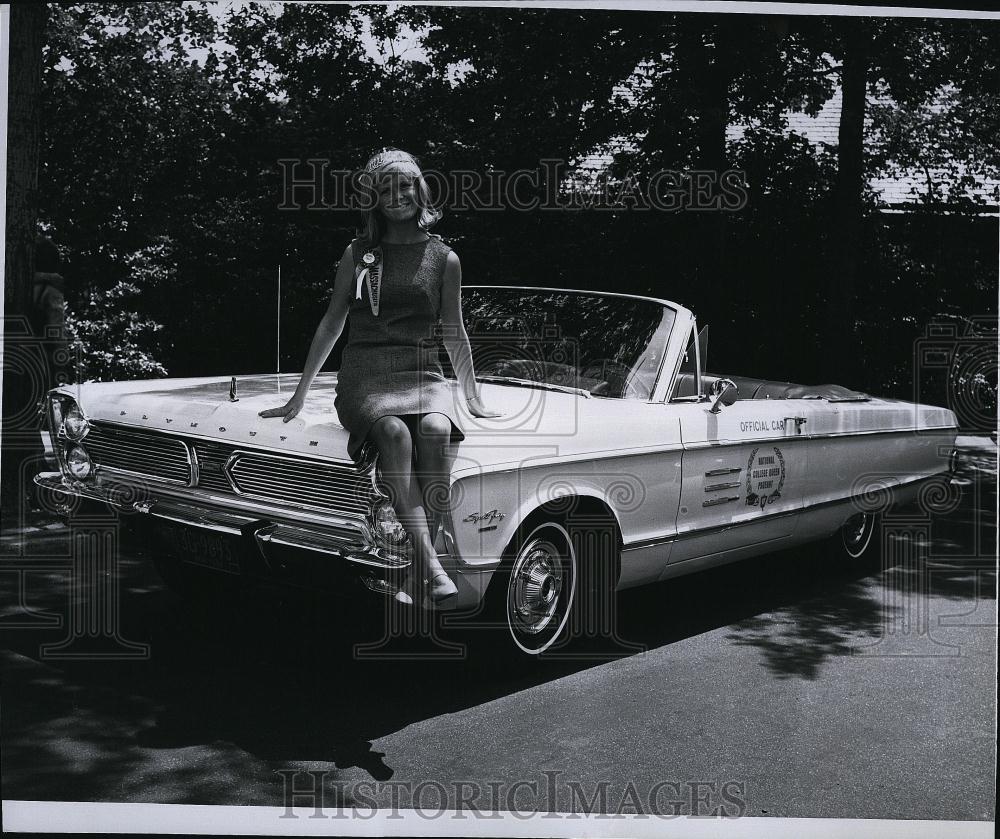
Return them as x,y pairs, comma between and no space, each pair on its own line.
533,421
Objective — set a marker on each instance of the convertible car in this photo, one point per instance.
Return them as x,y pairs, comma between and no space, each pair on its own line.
618,461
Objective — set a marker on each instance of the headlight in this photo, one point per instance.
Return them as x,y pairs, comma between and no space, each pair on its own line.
66,419
69,425
78,463
75,423
387,527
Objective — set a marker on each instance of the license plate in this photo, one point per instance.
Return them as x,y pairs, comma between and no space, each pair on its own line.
202,547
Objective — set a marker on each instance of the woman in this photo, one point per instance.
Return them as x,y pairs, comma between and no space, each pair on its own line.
396,281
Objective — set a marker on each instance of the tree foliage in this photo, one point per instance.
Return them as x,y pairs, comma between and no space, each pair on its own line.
164,128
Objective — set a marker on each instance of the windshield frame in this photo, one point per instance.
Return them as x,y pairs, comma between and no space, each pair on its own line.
681,318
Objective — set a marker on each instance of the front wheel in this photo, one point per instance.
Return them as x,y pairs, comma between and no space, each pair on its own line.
554,595
540,589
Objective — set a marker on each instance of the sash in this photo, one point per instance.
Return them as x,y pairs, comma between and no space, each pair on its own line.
370,268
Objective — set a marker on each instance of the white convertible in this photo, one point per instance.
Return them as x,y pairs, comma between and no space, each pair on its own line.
617,461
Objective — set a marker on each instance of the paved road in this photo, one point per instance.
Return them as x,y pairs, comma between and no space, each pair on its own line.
777,687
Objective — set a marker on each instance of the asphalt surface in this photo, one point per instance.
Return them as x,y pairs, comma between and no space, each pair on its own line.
779,686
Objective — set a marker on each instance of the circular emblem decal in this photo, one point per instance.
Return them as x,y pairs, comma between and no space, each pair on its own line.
765,476
368,258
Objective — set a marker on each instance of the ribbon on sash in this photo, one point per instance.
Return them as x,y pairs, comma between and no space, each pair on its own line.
372,271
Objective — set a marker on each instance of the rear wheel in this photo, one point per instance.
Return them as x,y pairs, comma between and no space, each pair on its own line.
857,533
858,541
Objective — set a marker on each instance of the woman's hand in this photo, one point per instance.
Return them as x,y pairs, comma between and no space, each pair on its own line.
286,411
478,409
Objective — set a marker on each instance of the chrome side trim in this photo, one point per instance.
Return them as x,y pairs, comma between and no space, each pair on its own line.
719,528
716,472
717,487
649,543
502,468
460,474
831,435
711,502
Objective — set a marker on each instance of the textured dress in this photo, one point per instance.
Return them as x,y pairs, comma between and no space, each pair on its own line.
390,364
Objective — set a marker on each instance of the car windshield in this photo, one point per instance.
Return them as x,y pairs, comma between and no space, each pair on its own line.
605,345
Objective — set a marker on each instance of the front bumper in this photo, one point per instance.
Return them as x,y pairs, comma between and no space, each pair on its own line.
255,541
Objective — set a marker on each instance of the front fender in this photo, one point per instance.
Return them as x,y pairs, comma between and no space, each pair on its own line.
488,507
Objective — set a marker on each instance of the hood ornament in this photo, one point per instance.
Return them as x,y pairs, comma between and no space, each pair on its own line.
232,391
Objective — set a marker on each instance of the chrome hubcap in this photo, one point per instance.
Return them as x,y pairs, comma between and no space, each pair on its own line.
857,533
537,580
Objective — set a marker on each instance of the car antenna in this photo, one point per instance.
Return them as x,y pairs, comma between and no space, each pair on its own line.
278,365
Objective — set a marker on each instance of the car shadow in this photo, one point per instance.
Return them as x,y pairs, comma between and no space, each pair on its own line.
275,679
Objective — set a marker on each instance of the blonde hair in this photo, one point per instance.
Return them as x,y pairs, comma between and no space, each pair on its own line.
372,220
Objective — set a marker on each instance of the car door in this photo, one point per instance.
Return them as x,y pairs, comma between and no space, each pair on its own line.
743,470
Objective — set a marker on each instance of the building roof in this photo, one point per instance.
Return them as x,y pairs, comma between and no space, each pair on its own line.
895,188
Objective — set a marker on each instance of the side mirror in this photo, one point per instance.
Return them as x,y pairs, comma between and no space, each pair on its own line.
724,392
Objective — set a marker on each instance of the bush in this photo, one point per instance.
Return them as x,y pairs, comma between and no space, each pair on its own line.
114,343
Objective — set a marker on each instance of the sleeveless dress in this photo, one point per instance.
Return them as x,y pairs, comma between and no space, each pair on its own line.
390,364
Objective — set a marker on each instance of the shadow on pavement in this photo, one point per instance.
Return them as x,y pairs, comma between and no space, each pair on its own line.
955,561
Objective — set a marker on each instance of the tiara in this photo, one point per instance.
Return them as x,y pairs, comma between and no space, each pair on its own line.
388,156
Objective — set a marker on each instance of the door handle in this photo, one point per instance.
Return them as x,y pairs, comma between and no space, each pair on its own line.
799,422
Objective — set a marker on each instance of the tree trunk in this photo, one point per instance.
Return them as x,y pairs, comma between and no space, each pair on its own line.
25,378
848,217
714,118
713,122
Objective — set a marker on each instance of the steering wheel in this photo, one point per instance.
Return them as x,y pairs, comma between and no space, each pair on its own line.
612,372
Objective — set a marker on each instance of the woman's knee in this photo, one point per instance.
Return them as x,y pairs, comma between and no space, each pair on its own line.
391,433
435,426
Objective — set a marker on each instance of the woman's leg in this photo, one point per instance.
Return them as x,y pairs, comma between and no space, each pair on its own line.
435,456
395,446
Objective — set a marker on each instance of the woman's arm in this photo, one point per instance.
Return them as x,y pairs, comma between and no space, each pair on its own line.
456,339
330,327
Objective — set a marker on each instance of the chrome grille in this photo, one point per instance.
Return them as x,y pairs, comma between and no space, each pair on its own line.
141,452
212,458
326,486
330,487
